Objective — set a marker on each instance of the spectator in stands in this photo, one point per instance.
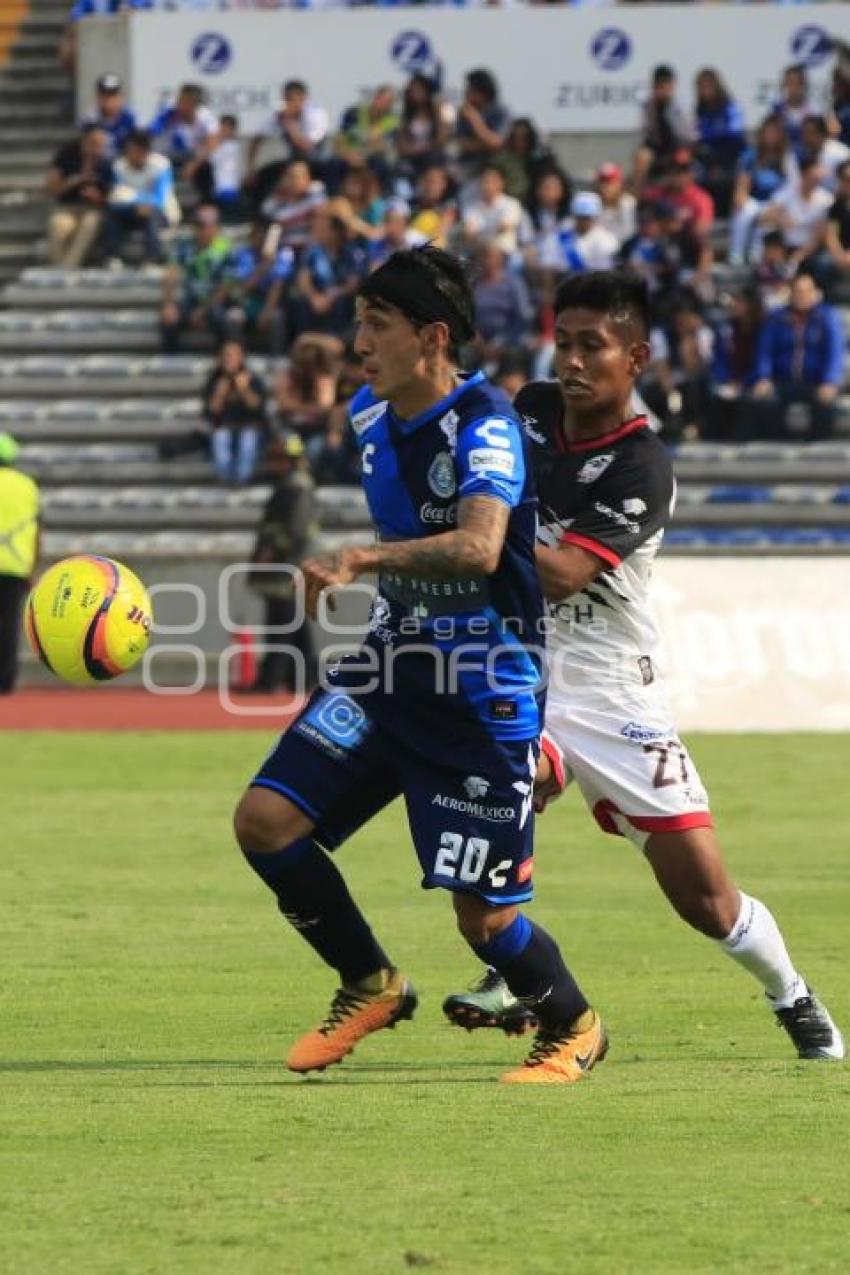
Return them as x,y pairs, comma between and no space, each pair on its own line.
234,404
664,128
193,293
482,123
775,270
720,137
548,210
20,536
284,536
142,199
79,179
800,359
434,206
186,132
656,251
826,151
763,169
299,128
676,388
293,202
733,370
362,192
330,274
523,158
424,128
585,244
841,92
367,136
494,215
396,233
333,452
502,304
254,279
226,164
836,235
111,113
678,186
306,391
619,206
512,373
799,209
794,104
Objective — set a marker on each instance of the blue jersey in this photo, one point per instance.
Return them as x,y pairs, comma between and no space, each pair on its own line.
442,633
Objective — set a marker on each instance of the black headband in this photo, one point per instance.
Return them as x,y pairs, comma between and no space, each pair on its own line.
416,291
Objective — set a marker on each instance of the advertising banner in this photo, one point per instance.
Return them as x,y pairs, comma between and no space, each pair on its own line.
572,70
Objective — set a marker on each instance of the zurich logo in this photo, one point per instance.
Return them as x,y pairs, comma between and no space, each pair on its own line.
811,45
411,51
611,48
211,53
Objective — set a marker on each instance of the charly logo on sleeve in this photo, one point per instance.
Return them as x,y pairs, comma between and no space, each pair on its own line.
441,476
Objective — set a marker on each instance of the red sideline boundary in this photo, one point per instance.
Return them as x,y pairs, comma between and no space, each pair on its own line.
107,708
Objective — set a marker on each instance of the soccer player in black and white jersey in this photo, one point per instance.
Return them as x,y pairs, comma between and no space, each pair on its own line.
607,492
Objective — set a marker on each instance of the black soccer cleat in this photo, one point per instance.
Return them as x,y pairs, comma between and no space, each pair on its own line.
812,1030
489,1003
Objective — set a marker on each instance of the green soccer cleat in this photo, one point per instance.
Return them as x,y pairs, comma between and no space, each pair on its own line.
489,1003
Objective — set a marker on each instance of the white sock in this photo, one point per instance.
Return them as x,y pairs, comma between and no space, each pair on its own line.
756,943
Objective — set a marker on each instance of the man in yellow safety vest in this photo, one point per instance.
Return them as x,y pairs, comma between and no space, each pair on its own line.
19,541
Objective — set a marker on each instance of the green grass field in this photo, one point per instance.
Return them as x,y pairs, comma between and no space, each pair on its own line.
147,1125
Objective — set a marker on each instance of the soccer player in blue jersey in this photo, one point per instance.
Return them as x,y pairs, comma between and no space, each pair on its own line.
442,702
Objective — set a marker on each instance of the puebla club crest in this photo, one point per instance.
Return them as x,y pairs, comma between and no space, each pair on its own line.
441,476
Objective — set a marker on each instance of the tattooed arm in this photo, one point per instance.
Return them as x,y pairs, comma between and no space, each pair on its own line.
473,549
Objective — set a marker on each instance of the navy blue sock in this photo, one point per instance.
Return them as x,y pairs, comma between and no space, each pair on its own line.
531,964
314,898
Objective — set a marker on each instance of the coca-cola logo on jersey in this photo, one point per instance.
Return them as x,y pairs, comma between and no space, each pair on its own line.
443,514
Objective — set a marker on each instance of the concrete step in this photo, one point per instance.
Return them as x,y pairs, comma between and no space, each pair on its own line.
122,421
45,69
38,112
104,376
25,297
40,141
33,86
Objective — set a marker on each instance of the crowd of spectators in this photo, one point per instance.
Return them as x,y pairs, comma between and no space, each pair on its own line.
280,229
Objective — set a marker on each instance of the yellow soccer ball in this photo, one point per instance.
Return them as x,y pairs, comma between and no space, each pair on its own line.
89,619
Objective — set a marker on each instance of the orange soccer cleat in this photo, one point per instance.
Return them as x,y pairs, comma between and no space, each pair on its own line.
354,1013
561,1056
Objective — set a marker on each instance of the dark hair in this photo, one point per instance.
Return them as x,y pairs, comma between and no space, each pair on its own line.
427,285
817,122
807,163
409,108
138,137
778,123
534,200
295,86
806,273
483,82
622,295
796,68
724,97
774,239
194,89
663,74
232,120
843,169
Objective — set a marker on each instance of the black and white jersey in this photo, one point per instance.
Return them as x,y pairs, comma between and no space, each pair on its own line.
613,496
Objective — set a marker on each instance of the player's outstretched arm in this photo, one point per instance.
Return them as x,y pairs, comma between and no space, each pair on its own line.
566,570
473,549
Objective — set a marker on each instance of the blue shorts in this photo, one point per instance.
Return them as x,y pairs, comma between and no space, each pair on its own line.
472,831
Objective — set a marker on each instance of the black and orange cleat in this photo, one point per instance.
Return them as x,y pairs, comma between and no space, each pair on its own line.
354,1014
563,1055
